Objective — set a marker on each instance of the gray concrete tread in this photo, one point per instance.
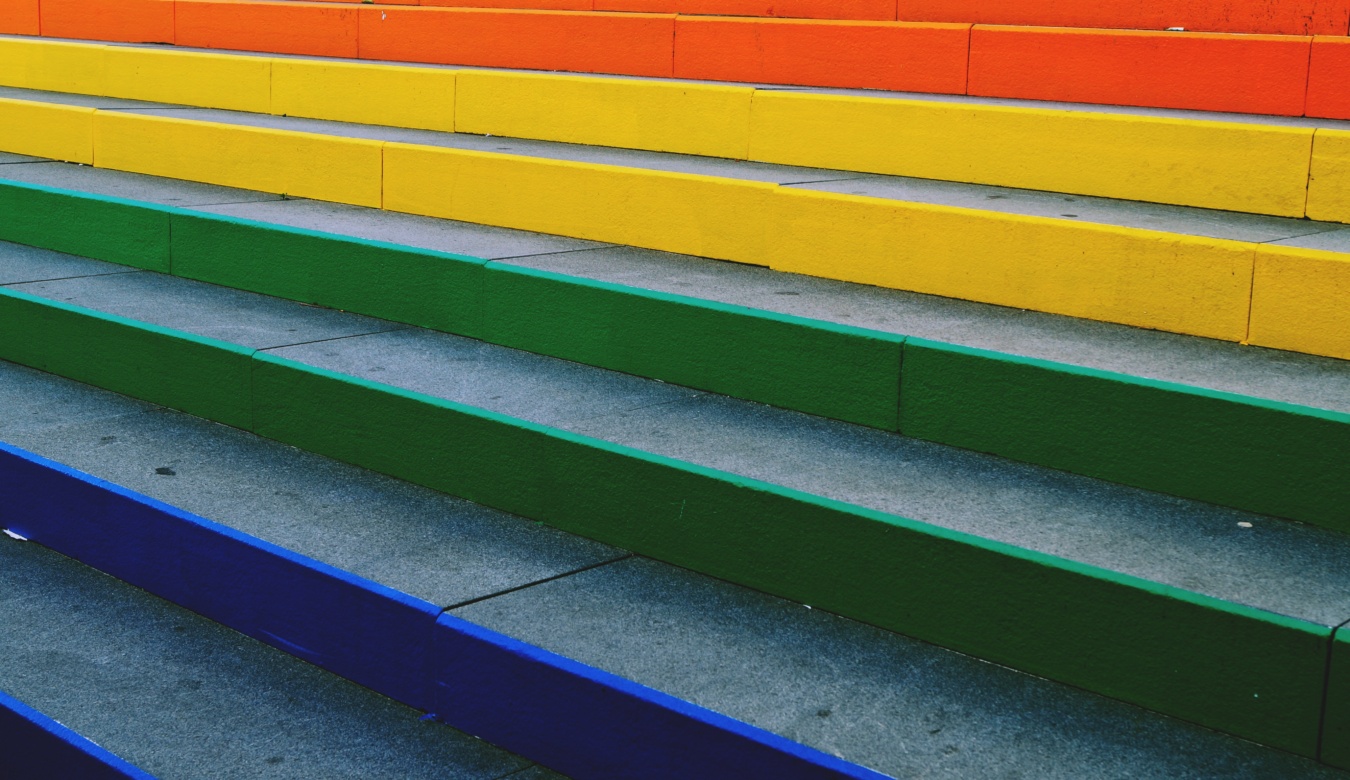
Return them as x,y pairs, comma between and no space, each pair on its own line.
1172,113
870,696
1077,208
1280,566
1263,373
186,699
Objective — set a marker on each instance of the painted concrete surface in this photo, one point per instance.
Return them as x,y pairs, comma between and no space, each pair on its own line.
1259,119
1185,220
134,186
632,158
182,697
1178,219
1277,375
902,706
894,704
1276,565
206,310
463,238
531,387
20,264
1218,365
429,545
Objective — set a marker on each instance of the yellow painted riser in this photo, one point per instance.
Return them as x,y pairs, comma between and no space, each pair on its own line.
1144,278
305,165
1231,166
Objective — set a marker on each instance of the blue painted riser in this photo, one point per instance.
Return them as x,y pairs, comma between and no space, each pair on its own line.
576,719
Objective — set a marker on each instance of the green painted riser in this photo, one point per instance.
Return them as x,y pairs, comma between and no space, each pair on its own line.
429,289
1252,673
1243,671
200,376
118,231
1336,733
1260,456
838,372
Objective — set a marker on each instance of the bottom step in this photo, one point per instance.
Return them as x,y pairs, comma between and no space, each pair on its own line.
182,697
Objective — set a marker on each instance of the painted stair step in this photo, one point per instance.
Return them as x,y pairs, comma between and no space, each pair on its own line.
1179,68
34,745
1227,289
1239,451
1218,575
181,697
870,696
1214,365
545,707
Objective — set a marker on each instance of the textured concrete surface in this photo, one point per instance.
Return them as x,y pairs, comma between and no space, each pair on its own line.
1218,365
1313,381
72,99
961,99
134,186
1095,108
895,704
430,545
531,387
464,238
902,706
206,310
1330,240
1178,219
7,158
659,161
1276,565
182,697
1281,566
19,264
1185,220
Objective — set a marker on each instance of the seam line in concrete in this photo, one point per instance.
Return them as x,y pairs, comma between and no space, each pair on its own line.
544,581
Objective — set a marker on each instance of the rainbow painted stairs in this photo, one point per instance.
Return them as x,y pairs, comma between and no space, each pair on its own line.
787,390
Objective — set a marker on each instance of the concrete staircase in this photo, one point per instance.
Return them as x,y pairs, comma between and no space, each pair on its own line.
441,381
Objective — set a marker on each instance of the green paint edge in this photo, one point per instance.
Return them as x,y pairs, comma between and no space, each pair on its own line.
110,229
819,368
1173,651
1258,455
200,376
1211,446
1241,670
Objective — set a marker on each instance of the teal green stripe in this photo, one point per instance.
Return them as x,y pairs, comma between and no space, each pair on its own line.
111,229
1242,670
1229,667
1258,455
819,368
201,376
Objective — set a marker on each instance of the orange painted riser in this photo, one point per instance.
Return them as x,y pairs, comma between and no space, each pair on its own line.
861,10
128,21
1329,79
319,29
917,58
19,17
1283,17
1257,74
527,5
626,44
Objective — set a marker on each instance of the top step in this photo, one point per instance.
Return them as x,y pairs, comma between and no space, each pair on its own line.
1281,17
1287,75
